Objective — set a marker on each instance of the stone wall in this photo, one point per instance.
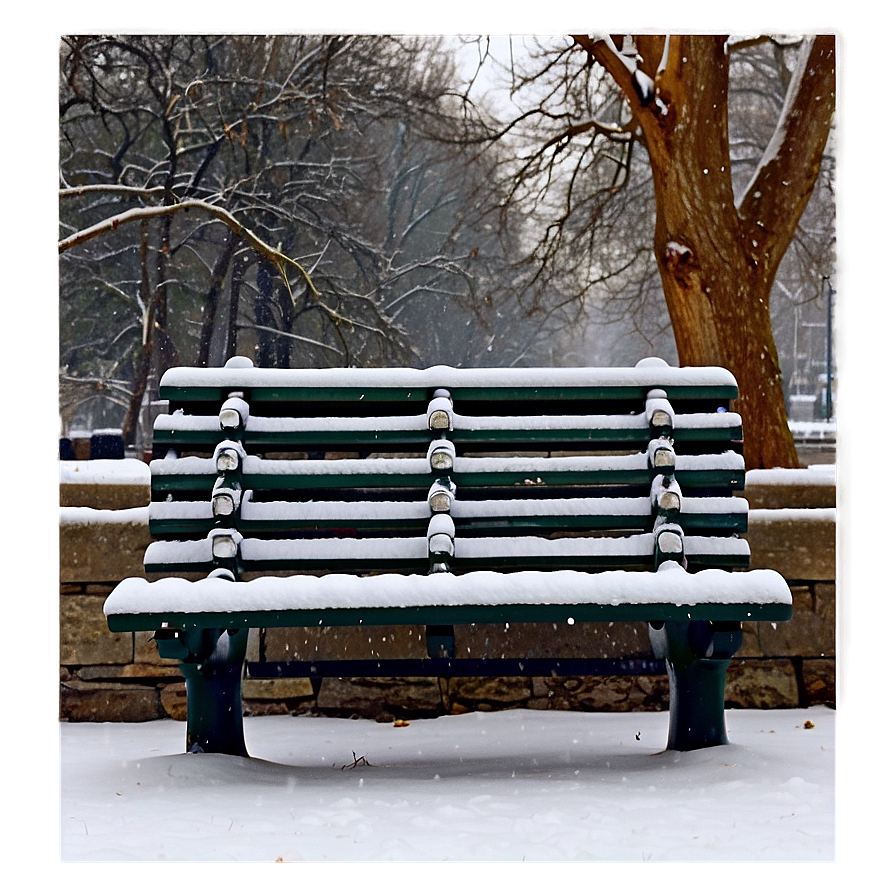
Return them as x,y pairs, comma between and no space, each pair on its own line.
119,677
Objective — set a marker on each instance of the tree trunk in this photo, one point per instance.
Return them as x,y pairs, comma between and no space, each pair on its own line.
144,360
718,256
716,293
287,315
265,352
214,292
240,266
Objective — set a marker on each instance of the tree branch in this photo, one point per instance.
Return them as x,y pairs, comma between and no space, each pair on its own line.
141,214
776,196
68,192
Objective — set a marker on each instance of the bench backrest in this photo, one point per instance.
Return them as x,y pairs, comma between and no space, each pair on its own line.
354,470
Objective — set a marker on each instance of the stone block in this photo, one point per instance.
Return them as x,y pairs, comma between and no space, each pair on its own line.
102,590
129,672
581,640
796,494
174,700
609,693
489,691
104,495
602,694
812,630
95,551
253,646
649,692
84,637
342,643
750,644
258,708
801,545
382,699
108,702
145,651
277,688
820,682
762,684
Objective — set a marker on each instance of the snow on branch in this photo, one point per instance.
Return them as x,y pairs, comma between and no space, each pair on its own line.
67,192
622,66
783,180
140,214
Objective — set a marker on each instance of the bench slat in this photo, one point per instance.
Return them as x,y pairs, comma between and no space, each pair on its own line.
354,385
476,597
371,554
724,471
337,433
482,517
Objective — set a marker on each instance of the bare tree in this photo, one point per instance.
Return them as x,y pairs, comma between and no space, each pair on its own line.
271,195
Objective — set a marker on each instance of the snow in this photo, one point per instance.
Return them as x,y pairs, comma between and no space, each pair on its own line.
84,516
196,466
185,510
183,466
317,511
812,429
441,524
818,474
535,507
257,425
549,422
126,471
340,590
333,549
333,510
677,249
655,373
511,786
793,514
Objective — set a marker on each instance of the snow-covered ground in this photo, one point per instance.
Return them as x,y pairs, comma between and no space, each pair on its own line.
519,786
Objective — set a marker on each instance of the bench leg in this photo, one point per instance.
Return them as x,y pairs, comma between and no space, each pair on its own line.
697,655
214,698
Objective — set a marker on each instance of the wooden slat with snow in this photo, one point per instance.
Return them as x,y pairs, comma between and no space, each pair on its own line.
377,433
480,597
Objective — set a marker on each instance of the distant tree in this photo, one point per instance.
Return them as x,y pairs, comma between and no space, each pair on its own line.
270,195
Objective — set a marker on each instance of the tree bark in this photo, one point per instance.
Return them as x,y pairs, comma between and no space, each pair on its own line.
144,360
240,266
216,287
717,255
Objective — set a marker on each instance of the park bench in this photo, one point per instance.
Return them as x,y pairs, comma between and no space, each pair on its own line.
445,497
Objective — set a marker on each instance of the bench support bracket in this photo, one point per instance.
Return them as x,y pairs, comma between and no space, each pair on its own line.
697,655
212,665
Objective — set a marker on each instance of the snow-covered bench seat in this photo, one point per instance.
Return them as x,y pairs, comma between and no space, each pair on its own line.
443,497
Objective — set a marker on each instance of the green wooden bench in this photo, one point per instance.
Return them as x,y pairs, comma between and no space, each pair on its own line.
447,497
